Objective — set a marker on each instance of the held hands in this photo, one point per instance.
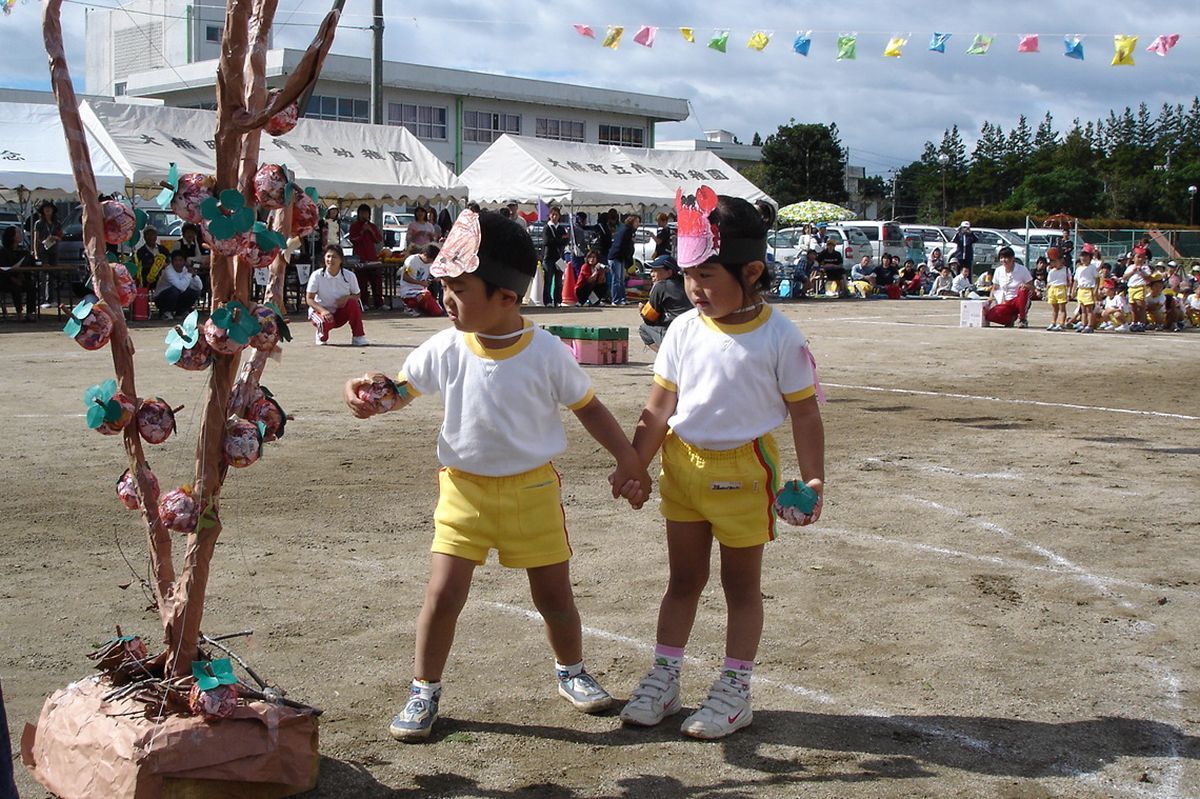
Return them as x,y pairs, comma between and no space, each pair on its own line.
361,408
798,503
631,481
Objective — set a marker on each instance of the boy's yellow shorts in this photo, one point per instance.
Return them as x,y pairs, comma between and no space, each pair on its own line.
733,490
1137,293
1086,296
1056,295
520,516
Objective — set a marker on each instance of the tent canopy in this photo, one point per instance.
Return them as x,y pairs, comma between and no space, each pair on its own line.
596,175
34,162
342,160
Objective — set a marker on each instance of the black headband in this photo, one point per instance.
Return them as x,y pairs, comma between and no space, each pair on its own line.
502,275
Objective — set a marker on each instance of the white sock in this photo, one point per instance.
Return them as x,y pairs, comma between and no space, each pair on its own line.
567,672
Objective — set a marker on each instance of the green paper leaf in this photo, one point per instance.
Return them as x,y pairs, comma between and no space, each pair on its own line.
72,327
210,209
221,228
101,392
223,317
140,218
173,176
242,219
208,519
232,200
222,669
164,198
262,429
174,351
112,410
95,416
269,240
204,680
311,191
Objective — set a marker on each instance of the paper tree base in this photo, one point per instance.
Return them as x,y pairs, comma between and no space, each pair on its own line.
83,748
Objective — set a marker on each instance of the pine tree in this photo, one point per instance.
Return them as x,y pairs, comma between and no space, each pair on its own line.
757,140
1046,138
1144,128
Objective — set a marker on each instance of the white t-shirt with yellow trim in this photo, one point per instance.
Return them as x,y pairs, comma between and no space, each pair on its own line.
732,381
502,405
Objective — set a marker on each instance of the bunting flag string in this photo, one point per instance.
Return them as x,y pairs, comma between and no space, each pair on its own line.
1124,45
759,41
894,46
980,44
645,35
802,43
847,47
1163,44
1074,47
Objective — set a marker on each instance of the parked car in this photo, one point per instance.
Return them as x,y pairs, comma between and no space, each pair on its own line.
885,237
783,246
933,236
1037,240
1010,239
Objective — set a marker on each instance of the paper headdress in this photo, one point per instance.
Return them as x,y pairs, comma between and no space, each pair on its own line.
699,239
460,256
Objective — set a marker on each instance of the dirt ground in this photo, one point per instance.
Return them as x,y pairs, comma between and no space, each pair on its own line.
1000,601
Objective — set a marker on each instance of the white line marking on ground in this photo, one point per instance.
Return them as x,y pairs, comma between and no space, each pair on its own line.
1080,573
1173,771
820,697
1006,401
47,415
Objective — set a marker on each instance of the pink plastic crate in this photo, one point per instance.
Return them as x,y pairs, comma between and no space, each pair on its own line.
598,352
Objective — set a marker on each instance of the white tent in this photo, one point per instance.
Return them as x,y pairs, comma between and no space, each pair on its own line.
596,176
342,160
33,155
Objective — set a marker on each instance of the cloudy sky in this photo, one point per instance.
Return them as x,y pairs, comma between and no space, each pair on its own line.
886,108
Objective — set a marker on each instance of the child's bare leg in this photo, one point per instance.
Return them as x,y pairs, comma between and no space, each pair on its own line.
689,547
445,595
741,573
550,588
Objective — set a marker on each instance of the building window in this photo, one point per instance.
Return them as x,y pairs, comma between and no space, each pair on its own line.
212,33
119,89
623,136
484,127
338,109
561,129
423,121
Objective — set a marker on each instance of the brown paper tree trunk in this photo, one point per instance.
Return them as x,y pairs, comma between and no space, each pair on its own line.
242,112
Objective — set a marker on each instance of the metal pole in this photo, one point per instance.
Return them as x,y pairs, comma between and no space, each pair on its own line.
377,86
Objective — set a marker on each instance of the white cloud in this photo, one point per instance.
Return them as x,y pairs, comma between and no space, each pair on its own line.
885,108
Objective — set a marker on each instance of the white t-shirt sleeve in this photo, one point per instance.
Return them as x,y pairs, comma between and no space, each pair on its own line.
313,281
794,367
666,362
421,368
353,279
572,387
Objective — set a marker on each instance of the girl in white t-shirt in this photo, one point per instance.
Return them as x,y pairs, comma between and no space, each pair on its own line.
727,373
1058,290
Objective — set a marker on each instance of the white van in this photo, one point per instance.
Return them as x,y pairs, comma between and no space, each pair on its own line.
885,237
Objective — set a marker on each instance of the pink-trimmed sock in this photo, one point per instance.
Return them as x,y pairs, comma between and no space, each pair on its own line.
669,658
737,674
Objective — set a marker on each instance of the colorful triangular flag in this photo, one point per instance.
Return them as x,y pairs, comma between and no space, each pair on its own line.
980,44
1028,43
759,41
1073,47
585,30
688,34
937,42
612,39
1163,43
719,41
894,46
802,43
1123,47
847,47
645,35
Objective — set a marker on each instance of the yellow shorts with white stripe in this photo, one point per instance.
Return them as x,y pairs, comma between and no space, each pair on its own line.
1086,296
1137,293
1056,295
520,516
733,490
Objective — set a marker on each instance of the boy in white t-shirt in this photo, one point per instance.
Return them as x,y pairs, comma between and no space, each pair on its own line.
1116,312
1087,275
502,381
415,281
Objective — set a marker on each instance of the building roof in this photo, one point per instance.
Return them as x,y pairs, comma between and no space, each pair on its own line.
727,150
438,80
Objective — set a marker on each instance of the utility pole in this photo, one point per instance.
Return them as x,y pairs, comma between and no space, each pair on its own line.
894,177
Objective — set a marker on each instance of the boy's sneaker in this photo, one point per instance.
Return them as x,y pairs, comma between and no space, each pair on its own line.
1022,323
585,693
416,720
359,341
655,698
1087,330
1053,327
1121,329
723,712
1106,326
320,342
